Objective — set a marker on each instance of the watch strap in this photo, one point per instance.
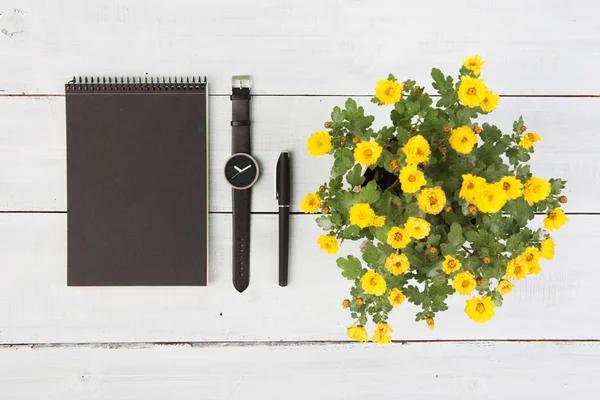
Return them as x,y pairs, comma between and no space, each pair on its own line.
240,120
241,238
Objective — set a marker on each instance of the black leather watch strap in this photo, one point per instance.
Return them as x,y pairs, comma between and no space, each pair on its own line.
241,201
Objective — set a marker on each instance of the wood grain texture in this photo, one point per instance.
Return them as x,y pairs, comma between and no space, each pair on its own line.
297,372
37,307
33,164
324,47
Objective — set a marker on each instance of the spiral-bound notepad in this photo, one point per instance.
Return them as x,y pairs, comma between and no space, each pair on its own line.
137,181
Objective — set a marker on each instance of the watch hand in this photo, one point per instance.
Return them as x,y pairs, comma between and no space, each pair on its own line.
237,169
245,168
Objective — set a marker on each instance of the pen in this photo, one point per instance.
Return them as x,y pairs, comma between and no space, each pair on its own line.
282,194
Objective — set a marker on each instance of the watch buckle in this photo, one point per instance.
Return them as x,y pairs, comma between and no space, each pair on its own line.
241,81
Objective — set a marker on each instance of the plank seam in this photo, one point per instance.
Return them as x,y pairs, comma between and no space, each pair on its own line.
535,96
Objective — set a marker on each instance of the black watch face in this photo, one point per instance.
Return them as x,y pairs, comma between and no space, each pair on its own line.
241,171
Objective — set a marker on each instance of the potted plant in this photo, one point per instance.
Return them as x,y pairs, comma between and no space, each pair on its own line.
440,202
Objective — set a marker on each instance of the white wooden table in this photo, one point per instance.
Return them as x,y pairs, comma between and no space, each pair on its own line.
270,342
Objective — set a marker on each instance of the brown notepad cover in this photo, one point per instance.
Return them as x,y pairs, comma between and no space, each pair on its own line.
137,183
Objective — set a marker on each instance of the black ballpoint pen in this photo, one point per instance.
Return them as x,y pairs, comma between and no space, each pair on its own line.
282,193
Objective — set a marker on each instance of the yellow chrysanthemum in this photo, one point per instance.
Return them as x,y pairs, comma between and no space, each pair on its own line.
389,92
471,91
358,333
396,297
529,139
531,258
490,198
329,244
431,200
319,143
397,264
373,283
555,219
464,282
474,64
536,189
361,215
367,153
489,102
417,150
311,203
411,179
516,269
504,286
547,249
512,186
470,186
382,334
430,322
480,309
397,237
463,139
378,221
417,228
450,264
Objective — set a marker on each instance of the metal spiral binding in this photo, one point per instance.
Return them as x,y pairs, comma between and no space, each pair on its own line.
136,84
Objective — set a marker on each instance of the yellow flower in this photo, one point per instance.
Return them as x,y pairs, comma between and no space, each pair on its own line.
490,198
536,189
529,139
411,179
397,264
463,139
555,219
367,153
464,282
388,92
329,244
396,297
319,143
471,91
470,186
531,258
516,269
504,286
417,150
547,249
397,237
358,333
480,309
474,64
382,334
311,203
512,186
489,102
430,322
451,264
362,215
373,283
378,221
417,228
431,200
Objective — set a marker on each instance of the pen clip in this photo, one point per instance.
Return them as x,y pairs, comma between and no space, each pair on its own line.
277,176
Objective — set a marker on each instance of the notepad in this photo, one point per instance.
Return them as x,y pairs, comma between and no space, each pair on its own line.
137,208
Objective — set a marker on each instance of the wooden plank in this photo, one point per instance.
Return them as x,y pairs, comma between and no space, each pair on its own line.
342,371
37,307
32,147
301,47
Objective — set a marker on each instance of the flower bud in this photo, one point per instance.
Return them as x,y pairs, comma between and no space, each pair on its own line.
325,210
327,124
355,140
477,129
426,308
321,188
432,250
523,128
346,303
447,129
394,164
359,301
487,260
343,139
440,276
562,199
479,281
481,292
472,209
430,322
448,208
356,189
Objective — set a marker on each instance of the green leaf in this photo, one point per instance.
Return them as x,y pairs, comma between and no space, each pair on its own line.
355,177
415,260
520,211
373,256
490,133
369,194
336,115
455,236
336,184
517,125
351,267
386,133
351,232
433,239
324,222
343,161
351,106
438,76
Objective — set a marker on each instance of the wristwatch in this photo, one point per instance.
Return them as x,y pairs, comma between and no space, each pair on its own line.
241,171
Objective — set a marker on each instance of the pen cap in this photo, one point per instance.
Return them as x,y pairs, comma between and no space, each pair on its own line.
282,179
